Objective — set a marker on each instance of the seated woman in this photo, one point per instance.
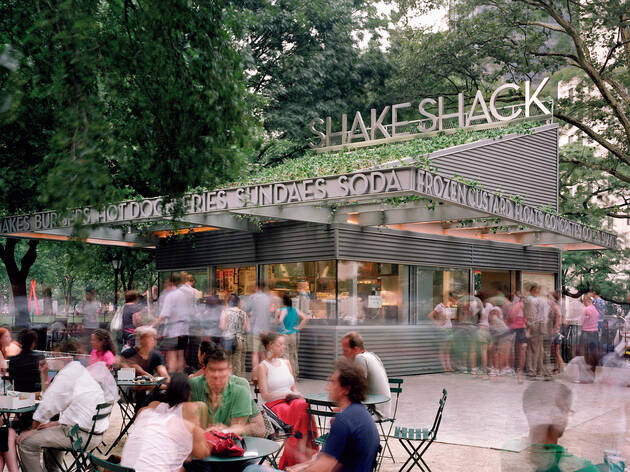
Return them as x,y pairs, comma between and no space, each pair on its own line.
277,388
143,357
166,434
103,348
28,369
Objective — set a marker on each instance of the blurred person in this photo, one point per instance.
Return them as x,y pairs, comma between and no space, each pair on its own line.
234,324
589,340
89,311
276,381
8,449
502,341
131,317
547,406
211,319
166,434
8,347
73,395
535,311
194,321
177,308
103,348
28,369
255,425
353,441
556,321
290,322
600,305
442,319
484,339
304,298
468,309
259,309
372,367
518,325
143,356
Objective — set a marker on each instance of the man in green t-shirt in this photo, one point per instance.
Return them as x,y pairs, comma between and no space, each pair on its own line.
229,401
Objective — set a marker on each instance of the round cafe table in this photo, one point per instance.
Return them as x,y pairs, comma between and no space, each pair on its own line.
370,400
255,448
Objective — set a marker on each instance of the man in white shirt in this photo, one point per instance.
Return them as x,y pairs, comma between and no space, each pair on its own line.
73,395
372,366
175,314
535,311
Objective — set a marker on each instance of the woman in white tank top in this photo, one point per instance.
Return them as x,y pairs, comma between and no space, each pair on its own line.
277,388
165,435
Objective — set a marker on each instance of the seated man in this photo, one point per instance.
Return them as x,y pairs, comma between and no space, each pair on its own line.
372,367
255,425
143,356
353,441
73,395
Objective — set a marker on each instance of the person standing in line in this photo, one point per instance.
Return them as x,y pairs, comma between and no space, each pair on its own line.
194,321
441,317
131,318
89,311
600,305
556,321
534,313
589,340
372,368
287,320
234,324
518,326
258,307
174,315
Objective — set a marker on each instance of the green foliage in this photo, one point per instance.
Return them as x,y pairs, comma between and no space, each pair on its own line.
312,164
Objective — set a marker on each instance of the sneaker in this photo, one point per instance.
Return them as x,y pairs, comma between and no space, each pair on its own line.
476,371
493,372
508,371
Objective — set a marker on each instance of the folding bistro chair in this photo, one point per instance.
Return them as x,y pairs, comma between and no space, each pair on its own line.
98,463
77,447
423,437
282,432
387,424
322,412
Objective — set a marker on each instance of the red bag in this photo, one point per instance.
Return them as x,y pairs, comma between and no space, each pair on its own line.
224,444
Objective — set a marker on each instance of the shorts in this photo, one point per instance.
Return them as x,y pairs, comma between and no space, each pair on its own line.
483,336
257,345
557,338
503,339
178,343
520,335
4,439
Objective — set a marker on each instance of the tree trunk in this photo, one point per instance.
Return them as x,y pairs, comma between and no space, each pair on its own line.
18,276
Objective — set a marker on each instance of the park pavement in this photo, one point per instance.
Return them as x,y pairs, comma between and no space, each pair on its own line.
483,422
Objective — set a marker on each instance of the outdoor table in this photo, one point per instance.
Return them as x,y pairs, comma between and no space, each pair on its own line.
7,412
371,400
255,448
126,387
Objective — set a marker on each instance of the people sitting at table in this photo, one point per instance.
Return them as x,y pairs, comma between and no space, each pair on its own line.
353,441
278,389
165,434
73,395
103,348
28,369
143,356
8,347
378,383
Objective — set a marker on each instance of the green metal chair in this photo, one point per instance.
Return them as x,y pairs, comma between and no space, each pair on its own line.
78,448
321,413
387,424
423,437
98,463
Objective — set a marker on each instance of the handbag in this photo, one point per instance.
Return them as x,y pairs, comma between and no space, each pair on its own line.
224,444
117,320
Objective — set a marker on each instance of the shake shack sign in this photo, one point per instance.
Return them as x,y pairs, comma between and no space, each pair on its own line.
386,125
345,188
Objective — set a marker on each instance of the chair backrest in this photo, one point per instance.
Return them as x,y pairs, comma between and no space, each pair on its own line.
395,387
438,416
103,410
97,462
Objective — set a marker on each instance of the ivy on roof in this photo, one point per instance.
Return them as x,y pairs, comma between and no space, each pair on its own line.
312,164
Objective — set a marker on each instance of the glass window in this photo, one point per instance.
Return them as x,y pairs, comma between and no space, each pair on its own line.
545,280
372,293
311,285
238,280
431,286
200,276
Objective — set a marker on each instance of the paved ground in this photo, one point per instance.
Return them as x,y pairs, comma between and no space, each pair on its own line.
482,416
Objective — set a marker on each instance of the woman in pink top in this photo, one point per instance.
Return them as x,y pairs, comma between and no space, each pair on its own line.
590,335
103,349
516,323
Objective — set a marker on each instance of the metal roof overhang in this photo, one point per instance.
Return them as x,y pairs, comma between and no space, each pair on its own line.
407,198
